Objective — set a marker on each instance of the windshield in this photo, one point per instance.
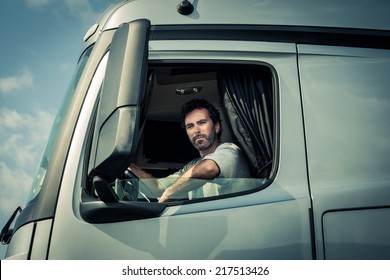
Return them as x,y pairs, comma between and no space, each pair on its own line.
47,154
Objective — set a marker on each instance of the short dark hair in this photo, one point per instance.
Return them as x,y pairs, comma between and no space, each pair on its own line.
199,104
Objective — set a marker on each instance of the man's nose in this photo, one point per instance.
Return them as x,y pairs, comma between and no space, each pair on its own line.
197,128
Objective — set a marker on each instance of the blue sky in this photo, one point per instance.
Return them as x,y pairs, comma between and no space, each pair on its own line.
40,44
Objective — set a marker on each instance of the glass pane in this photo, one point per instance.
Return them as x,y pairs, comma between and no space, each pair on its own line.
57,124
146,189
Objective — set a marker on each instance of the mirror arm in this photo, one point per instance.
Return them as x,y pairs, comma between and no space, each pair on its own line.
6,232
103,190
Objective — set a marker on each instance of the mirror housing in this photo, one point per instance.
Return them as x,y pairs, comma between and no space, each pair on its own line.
122,98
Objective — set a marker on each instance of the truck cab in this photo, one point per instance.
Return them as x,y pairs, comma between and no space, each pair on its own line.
302,90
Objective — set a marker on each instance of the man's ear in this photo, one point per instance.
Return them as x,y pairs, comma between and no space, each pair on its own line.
217,127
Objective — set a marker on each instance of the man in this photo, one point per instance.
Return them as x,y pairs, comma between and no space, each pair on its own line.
202,123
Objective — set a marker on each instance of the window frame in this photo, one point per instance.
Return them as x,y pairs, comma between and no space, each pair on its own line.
95,211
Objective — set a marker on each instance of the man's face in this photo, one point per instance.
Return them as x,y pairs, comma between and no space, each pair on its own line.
200,129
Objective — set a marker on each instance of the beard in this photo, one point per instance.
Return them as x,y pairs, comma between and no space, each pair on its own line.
202,141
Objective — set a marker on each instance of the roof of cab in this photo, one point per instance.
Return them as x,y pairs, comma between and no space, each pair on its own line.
360,14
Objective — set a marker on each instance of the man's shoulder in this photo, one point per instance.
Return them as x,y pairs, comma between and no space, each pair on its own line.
226,149
228,145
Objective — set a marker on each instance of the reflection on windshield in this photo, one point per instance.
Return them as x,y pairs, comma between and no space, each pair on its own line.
48,152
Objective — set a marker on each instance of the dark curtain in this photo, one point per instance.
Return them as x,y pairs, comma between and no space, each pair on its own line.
247,101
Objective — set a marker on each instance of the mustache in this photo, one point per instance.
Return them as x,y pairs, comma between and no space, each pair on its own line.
197,136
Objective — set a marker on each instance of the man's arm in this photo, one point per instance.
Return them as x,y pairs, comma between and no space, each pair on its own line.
152,185
141,174
204,170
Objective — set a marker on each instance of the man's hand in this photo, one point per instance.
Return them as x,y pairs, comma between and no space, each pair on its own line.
164,197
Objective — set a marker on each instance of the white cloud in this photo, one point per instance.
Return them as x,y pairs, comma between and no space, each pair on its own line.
23,79
22,138
15,186
83,9
10,119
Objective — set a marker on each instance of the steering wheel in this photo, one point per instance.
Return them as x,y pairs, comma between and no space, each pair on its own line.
134,188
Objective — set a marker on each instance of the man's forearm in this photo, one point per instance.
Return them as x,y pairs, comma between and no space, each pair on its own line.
192,179
141,174
182,186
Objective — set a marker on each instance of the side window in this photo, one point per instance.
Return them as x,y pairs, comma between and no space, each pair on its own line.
222,144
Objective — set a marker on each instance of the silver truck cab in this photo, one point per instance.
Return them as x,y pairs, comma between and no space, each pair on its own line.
303,89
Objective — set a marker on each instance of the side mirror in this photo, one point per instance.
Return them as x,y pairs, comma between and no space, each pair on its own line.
122,99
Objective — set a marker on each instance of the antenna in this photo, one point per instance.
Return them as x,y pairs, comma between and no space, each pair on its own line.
185,8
